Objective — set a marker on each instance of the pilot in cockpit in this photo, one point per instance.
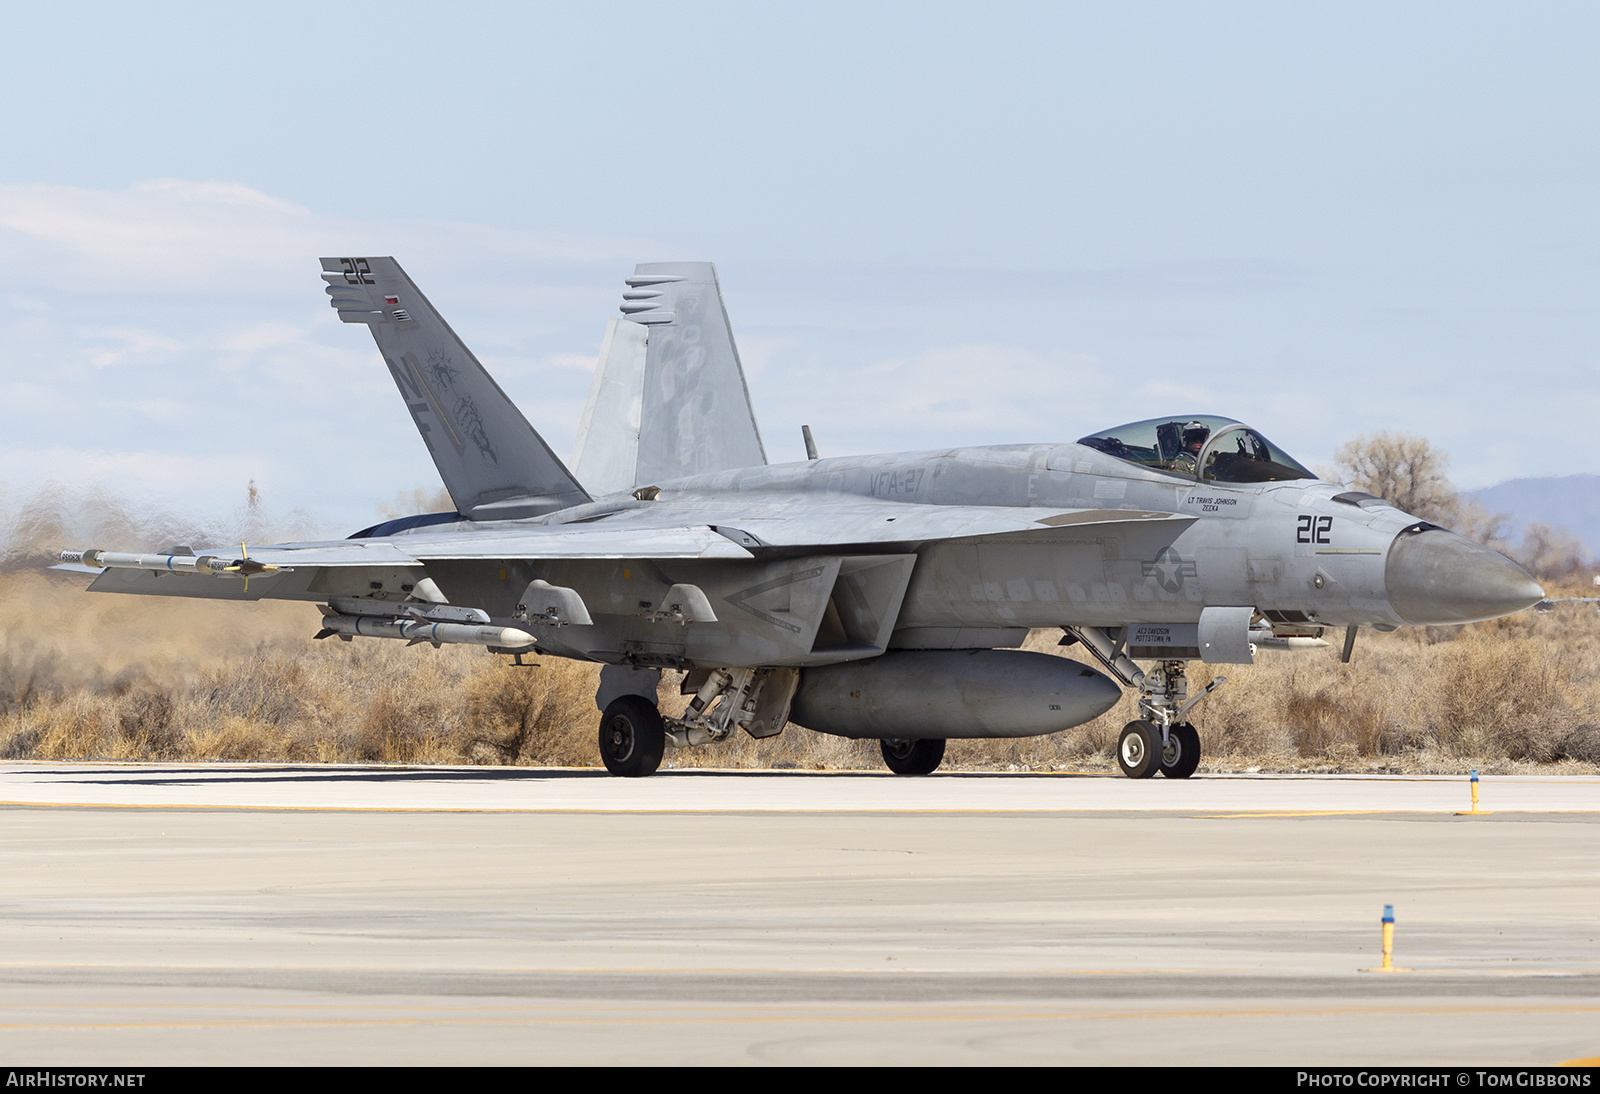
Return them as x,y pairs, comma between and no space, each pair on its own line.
1194,439
1176,445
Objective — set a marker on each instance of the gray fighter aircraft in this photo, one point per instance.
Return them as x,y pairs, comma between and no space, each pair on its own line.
866,596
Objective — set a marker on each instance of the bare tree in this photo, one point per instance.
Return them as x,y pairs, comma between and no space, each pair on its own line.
1402,469
1409,473
1551,553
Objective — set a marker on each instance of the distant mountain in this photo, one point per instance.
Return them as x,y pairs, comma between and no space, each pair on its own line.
1570,501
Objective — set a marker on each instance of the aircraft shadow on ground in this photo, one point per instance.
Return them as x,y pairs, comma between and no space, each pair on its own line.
208,776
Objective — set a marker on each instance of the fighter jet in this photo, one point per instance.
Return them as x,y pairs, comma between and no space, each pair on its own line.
879,596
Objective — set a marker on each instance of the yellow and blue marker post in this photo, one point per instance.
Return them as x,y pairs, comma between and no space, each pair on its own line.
1388,943
1474,811
1388,938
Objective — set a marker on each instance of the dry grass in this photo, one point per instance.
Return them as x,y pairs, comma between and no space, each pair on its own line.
116,677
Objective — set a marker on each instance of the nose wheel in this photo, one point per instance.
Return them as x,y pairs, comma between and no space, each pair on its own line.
1181,755
1139,750
1141,753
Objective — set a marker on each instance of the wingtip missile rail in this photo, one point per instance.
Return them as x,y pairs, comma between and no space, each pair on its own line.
170,563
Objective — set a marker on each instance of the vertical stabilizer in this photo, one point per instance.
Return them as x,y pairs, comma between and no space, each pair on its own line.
491,460
669,397
606,452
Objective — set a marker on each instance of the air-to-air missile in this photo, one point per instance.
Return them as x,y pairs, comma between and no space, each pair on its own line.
422,627
179,562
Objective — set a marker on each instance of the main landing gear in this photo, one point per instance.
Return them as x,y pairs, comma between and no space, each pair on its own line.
912,757
634,736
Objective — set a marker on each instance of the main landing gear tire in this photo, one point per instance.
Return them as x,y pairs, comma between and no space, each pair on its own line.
1182,754
912,757
1139,750
632,737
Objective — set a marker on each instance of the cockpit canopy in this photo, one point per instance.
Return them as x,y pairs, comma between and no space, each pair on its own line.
1200,446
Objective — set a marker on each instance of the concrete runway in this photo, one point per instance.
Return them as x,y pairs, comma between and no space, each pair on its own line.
158,914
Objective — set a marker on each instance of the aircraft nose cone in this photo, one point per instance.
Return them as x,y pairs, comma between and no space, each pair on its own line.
1435,576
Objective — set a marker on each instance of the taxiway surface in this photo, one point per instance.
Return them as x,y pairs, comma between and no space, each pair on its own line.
220,913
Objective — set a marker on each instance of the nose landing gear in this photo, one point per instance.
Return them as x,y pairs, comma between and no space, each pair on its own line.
1162,739
1164,700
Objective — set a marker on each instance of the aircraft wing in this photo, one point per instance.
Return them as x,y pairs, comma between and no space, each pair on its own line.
804,522
650,534
311,571
645,534
544,542
394,566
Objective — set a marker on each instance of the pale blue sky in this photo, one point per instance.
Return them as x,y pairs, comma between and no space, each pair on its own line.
934,224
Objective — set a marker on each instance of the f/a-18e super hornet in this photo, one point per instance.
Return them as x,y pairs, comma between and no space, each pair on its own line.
866,596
